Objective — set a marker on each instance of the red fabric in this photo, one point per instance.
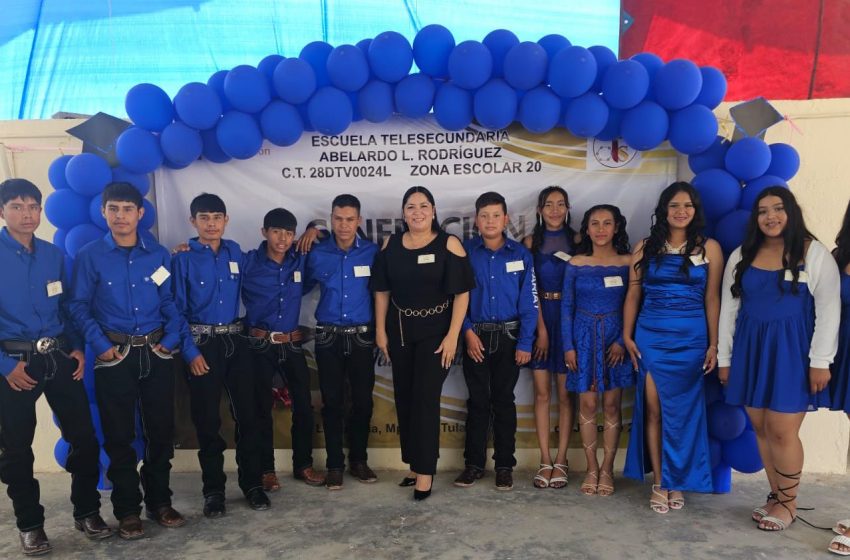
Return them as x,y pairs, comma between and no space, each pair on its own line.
770,48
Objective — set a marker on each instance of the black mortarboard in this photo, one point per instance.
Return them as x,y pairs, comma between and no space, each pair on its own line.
753,118
99,134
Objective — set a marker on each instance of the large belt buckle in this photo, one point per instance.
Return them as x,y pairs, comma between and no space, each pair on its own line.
272,334
46,345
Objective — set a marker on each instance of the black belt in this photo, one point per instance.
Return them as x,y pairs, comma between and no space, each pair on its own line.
494,327
135,340
43,345
338,329
212,330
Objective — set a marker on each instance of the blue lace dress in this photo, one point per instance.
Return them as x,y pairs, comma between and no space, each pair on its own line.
549,266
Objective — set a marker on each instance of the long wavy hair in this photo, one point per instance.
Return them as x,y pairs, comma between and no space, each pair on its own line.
842,242
540,226
794,237
435,223
621,237
653,246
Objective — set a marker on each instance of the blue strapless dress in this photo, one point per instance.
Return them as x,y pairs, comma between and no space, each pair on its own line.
839,386
549,273
671,334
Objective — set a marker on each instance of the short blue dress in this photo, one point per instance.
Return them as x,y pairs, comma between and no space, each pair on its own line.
592,320
549,273
671,334
839,385
770,351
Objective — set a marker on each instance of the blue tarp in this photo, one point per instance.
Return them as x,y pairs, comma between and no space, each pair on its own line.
83,55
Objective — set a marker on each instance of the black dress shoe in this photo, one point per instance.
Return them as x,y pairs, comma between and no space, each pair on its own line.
93,526
214,506
333,479
407,481
362,472
257,499
35,543
130,528
468,477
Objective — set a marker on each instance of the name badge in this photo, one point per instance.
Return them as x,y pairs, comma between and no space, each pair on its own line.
514,266
296,276
54,288
425,259
613,281
361,271
698,260
160,275
563,256
234,267
803,276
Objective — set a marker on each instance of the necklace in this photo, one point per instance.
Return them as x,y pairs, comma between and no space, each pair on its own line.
670,250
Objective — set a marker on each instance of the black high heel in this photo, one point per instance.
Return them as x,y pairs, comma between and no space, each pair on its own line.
420,495
407,481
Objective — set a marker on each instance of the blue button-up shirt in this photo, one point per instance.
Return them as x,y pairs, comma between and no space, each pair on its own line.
272,292
207,286
343,278
505,289
27,312
113,291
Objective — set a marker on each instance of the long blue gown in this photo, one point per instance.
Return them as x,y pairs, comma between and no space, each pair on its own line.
671,335
840,382
549,273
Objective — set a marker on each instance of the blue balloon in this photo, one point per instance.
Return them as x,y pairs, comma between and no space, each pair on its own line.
294,80
725,421
216,82
625,84
742,453
498,42
376,101
247,89
612,126
748,158
61,451
96,215
198,105
651,61
711,158
239,135
494,105
363,45
470,65
715,451
431,49
730,230
59,238
721,478
453,107
56,172
784,161
138,180
572,71
66,209
645,126
316,55
330,110
149,217
587,115
281,124
212,150
525,65
605,57
80,236
267,67
88,174
354,98
553,44
149,107
138,150
692,129
752,190
390,56
180,144
713,87
348,68
719,190
677,84
539,110
414,95
305,117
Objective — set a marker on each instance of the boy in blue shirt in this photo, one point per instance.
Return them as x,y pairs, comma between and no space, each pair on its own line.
499,332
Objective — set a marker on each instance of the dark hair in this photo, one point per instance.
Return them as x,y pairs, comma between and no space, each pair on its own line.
435,223
489,199
346,201
794,237
621,237
280,218
653,246
121,192
842,242
206,202
540,227
18,188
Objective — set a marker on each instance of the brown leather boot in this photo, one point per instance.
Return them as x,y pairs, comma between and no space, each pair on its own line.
35,543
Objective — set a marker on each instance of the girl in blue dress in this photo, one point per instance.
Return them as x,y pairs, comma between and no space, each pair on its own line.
778,335
551,243
670,332
595,282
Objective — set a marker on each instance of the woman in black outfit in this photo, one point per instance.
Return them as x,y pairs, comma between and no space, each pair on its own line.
421,281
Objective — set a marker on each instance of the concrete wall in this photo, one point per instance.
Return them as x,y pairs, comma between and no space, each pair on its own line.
816,128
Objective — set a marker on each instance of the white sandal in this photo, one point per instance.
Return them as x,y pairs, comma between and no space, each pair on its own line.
539,478
559,479
841,526
842,540
659,506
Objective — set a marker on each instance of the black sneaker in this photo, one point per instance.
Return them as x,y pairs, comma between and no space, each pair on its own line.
333,479
468,477
214,506
362,472
258,500
504,479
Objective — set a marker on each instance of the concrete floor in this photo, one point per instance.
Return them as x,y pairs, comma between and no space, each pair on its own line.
381,521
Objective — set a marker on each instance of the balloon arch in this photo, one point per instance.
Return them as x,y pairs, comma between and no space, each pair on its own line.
551,83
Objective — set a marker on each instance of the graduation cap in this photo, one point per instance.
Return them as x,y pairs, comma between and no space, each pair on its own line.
99,134
753,118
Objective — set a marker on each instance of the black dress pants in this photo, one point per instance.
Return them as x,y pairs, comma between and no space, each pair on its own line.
341,357
231,371
67,399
